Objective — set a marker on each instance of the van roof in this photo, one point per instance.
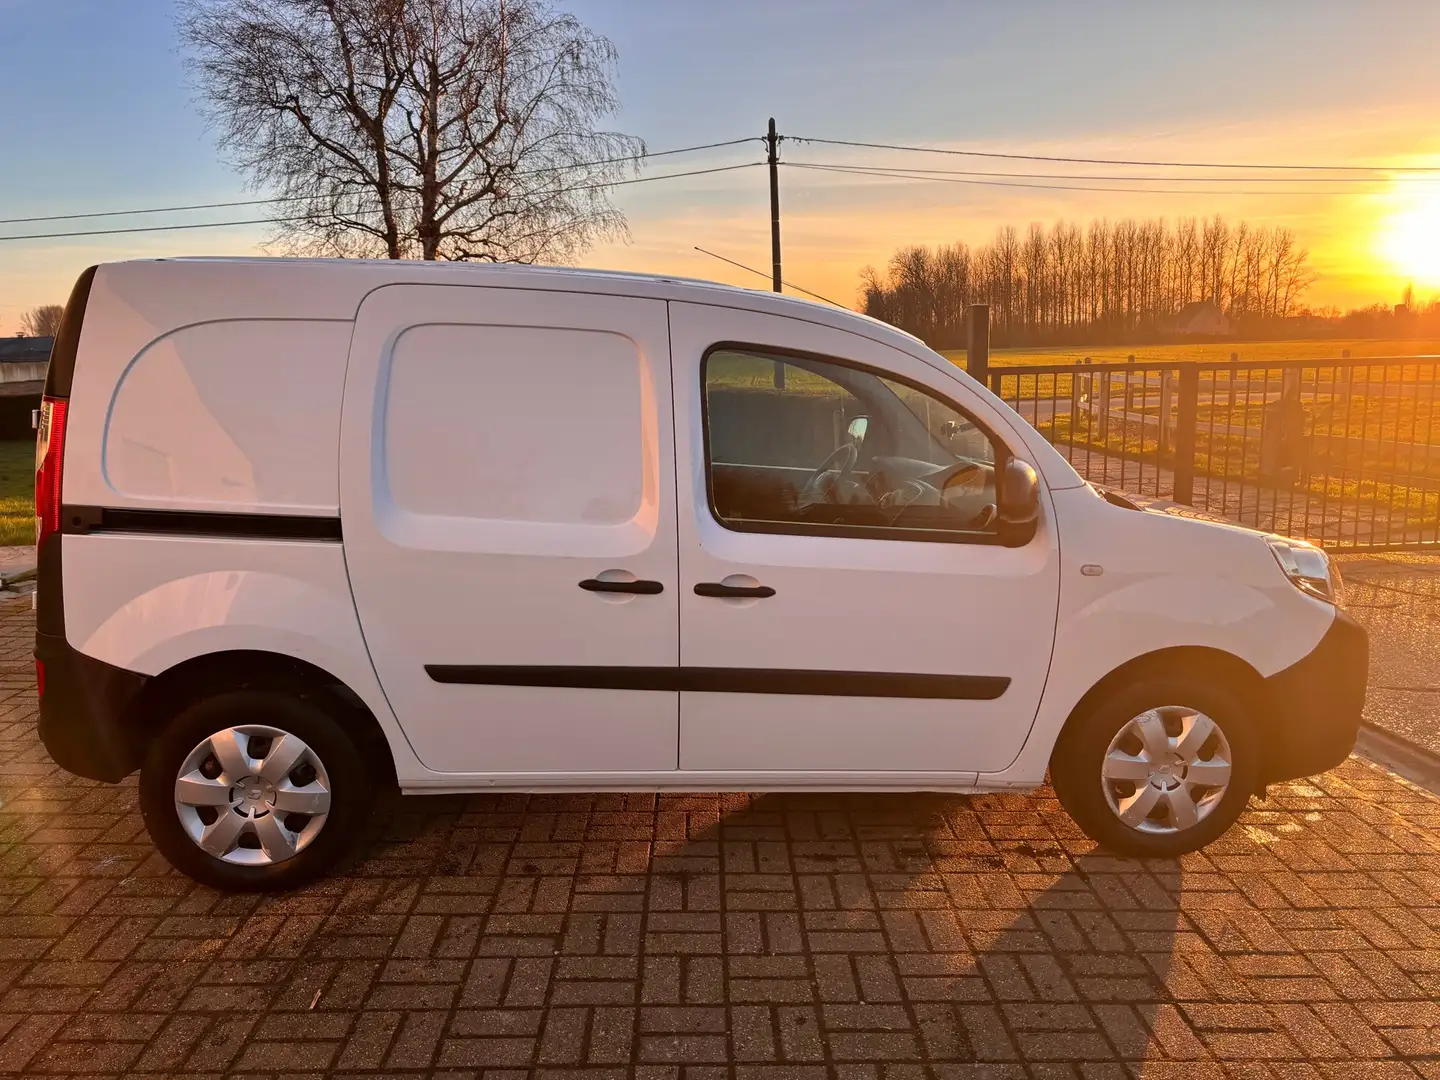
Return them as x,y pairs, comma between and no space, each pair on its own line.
442,266
355,277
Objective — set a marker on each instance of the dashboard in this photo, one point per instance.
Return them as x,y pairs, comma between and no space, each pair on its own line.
944,495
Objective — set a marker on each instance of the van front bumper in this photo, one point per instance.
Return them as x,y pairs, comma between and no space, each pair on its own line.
1315,705
81,711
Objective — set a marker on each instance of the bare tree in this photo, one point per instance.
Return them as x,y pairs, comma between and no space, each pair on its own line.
1187,250
42,321
1214,242
437,129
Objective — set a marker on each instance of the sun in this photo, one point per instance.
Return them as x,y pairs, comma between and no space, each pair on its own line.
1410,238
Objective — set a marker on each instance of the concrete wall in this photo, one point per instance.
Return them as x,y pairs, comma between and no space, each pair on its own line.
21,386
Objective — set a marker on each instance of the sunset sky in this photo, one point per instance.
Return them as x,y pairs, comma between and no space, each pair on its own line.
96,116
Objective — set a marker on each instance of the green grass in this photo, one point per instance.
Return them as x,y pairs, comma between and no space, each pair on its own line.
1338,475
743,371
1208,352
17,492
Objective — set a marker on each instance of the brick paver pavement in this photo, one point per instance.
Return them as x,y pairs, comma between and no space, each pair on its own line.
719,936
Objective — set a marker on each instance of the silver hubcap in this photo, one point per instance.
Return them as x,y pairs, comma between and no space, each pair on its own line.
252,795
1166,770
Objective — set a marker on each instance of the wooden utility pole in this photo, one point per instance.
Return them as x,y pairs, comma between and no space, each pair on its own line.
772,158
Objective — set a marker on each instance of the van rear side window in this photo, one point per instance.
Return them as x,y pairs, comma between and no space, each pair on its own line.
239,415
523,424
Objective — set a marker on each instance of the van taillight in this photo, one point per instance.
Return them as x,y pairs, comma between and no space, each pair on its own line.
49,467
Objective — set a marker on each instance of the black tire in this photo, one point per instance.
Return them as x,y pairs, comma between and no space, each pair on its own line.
343,764
1075,765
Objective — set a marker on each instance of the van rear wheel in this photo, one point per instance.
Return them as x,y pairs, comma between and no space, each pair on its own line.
253,790
1158,768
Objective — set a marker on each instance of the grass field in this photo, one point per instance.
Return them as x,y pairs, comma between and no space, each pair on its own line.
1212,352
17,492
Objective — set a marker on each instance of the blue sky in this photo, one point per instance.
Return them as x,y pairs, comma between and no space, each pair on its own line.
96,116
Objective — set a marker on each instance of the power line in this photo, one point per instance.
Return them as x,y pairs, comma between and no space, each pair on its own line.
269,221
1136,179
761,273
669,176
152,210
296,198
1117,161
151,228
901,174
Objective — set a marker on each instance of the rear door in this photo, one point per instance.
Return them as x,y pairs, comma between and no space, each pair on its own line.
507,492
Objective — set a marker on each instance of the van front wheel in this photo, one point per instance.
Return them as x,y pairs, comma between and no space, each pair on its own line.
253,790
1158,768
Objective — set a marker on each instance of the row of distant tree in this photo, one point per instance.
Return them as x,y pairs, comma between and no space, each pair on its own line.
1107,282
1409,318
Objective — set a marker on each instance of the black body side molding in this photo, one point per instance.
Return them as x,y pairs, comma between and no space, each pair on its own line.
879,684
84,520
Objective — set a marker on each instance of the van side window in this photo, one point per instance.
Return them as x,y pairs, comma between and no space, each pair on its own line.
514,424
801,445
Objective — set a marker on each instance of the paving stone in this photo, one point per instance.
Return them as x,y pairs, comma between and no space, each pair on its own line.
691,936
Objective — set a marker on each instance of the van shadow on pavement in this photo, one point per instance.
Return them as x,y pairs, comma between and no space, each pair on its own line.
792,928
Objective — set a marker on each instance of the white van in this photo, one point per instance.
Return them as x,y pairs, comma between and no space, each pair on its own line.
310,528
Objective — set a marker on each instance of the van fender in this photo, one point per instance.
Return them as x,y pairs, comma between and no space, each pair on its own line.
1208,621
162,602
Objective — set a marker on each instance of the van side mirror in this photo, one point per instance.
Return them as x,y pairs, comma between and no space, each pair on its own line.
1019,502
857,428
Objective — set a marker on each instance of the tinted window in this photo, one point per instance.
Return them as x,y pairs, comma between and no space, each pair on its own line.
803,445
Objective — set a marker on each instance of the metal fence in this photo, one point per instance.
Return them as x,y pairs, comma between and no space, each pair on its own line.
1335,451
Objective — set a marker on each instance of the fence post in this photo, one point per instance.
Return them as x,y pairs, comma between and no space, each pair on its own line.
1186,420
1104,406
1167,414
977,342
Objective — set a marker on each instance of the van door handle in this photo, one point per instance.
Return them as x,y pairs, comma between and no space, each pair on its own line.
644,588
716,588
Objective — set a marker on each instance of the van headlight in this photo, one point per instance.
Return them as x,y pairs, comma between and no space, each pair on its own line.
1309,568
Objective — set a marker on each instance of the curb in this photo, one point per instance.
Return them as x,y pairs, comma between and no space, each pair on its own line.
1399,755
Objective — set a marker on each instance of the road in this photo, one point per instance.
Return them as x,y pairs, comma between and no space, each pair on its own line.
1396,596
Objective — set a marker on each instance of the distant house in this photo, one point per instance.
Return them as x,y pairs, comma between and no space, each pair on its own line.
1200,318
25,350
23,361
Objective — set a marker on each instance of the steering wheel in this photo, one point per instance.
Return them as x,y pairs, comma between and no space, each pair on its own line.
828,475
984,519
